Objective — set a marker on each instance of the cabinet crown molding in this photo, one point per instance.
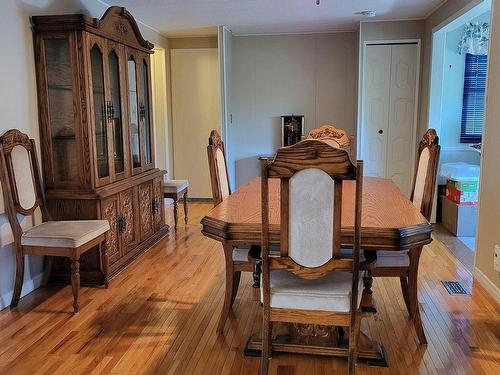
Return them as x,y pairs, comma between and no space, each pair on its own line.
116,24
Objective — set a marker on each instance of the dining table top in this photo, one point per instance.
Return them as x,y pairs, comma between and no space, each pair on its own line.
389,220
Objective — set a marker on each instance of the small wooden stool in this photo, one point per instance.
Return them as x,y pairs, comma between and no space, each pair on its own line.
175,189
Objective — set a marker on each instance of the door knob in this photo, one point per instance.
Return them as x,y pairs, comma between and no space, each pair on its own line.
380,131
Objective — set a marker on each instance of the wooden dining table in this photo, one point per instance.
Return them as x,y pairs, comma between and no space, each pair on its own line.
389,221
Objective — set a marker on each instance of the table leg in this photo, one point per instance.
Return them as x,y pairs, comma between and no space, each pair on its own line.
186,207
413,293
367,301
231,287
176,212
75,282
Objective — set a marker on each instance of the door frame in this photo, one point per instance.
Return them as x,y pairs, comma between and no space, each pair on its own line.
361,104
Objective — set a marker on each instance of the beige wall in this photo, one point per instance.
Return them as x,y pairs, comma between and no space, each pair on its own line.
189,42
18,104
193,42
489,211
314,75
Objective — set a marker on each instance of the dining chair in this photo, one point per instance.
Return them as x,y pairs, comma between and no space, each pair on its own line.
404,264
175,190
309,282
237,259
219,177
23,193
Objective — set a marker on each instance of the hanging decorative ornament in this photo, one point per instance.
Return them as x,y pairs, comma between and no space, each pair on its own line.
475,39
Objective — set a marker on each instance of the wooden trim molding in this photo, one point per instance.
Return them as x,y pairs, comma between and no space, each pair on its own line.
116,24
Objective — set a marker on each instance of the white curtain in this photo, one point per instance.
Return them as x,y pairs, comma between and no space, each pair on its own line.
475,39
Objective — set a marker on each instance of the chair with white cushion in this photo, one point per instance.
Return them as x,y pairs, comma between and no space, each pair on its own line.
309,282
175,190
404,264
237,259
23,193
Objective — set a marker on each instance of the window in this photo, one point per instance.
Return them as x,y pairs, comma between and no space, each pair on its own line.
474,98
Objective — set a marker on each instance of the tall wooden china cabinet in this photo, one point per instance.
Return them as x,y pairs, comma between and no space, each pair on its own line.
94,96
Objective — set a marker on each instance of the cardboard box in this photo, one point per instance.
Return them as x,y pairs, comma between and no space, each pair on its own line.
459,219
463,191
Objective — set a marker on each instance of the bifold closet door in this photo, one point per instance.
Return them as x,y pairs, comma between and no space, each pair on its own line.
389,112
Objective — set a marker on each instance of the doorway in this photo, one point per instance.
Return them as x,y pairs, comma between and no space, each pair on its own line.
195,112
389,107
457,103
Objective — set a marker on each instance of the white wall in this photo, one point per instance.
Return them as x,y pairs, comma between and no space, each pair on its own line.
488,233
18,104
314,75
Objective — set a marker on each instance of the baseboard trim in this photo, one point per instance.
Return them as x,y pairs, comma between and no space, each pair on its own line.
487,284
28,287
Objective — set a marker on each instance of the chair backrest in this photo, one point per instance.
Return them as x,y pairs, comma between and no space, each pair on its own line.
339,137
311,174
424,180
20,177
218,168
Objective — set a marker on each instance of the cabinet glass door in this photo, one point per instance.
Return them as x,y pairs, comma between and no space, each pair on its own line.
135,147
115,110
61,116
144,112
101,131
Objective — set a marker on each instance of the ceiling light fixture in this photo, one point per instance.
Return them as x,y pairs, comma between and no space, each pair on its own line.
317,2
367,13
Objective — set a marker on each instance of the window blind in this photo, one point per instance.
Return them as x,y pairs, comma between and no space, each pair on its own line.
474,98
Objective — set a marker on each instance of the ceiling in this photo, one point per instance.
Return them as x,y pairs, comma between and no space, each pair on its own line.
175,17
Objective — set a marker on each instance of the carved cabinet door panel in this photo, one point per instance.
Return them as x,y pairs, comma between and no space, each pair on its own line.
146,209
158,208
128,220
109,211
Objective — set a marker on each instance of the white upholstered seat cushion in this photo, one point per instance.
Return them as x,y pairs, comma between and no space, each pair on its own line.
392,259
241,254
175,186
329,293
384,258
68,234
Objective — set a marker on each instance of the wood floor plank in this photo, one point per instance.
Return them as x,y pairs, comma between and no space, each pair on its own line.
159,317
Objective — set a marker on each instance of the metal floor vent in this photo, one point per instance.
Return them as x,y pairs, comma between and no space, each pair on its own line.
455,288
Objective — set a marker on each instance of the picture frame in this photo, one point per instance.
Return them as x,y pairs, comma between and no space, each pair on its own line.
292,129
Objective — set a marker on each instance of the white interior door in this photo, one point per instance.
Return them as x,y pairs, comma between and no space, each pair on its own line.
377,84
195,112
401,132
388,116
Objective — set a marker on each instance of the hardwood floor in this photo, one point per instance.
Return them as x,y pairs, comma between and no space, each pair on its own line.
160,315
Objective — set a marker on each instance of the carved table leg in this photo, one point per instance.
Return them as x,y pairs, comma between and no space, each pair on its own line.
105,263
186,207
176,213
256,274
75,282
367,302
